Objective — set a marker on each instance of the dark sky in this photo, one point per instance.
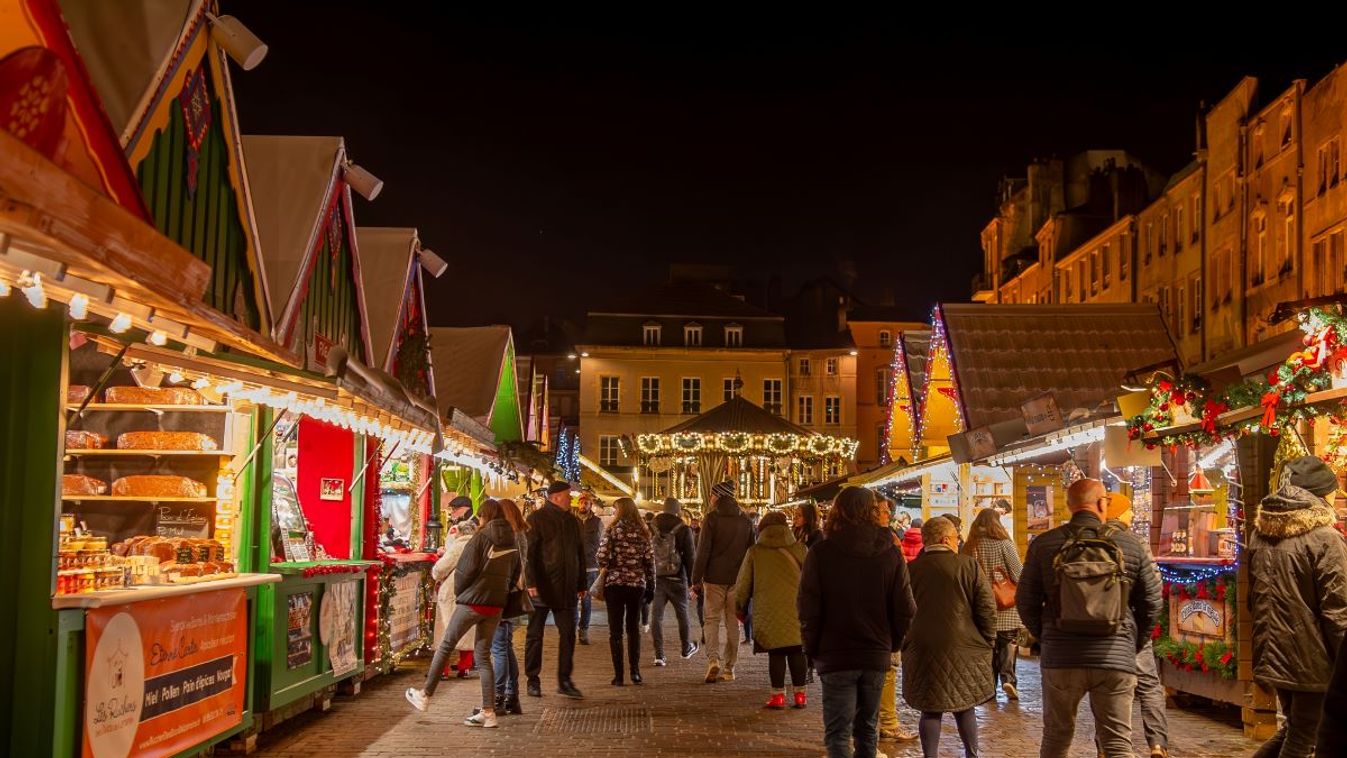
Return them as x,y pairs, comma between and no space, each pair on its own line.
553,160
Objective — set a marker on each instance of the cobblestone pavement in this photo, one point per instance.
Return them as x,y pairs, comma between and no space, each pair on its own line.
673,713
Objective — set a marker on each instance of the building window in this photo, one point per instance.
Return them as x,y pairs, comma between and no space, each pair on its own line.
1330,165
1287,254
692,335
771,395
1164,236
804,410
692,395
885,338
830,366
1149,243
804,367
1286,122
1258,146
1195,305
1180,233
1216,204
832,410
734,336
729,392
1181,304
609,450
882,389
1259,267
650,394
1195,218
1221,289
608,393
650,335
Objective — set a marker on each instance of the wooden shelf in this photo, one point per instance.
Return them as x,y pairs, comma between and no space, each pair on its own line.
115,452
153,408
136,499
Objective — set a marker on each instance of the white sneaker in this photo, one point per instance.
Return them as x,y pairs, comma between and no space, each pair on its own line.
484,719
691,650
661,662
418,699
645,629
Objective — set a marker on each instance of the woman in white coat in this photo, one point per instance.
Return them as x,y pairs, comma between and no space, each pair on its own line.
443,571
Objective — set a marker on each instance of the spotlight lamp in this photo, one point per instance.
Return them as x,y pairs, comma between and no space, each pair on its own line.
432,263
237,40
368,185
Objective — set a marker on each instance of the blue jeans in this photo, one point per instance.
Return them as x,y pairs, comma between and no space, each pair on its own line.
504,660
582,611
851,711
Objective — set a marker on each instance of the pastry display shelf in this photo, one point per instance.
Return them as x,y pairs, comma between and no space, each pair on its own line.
136,499
112,451
149,407
157,591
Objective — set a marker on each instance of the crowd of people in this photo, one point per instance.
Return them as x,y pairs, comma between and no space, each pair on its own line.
938,617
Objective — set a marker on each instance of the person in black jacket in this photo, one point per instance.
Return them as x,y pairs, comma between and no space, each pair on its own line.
726,536
1075,665
591,530
852,628
489,568
555,576
674,557
1298,601
1333,730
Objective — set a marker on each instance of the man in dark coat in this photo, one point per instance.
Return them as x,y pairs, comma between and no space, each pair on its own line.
591,530
1298,601
674,559
726,536
555,576
1075,665
855,608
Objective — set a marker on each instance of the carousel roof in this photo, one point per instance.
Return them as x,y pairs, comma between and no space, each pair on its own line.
738,415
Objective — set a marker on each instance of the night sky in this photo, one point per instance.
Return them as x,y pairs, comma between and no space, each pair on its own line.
554,160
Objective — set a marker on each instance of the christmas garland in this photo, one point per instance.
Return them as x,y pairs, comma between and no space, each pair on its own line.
388,574
1218,657
1281,394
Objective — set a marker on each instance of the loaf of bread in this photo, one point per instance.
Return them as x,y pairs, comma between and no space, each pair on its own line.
153,396
76,393
166,441
80,440
158,485
79,484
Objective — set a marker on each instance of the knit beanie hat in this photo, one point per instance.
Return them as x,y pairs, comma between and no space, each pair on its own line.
724,488
671,505
1309,473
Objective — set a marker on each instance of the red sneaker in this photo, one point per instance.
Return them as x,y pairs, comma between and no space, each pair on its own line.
777,702
800,699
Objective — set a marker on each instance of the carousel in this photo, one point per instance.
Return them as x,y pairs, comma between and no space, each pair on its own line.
767,457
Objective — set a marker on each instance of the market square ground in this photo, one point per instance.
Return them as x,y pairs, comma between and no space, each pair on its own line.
674,713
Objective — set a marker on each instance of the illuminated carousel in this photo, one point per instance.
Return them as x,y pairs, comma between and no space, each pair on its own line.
767,457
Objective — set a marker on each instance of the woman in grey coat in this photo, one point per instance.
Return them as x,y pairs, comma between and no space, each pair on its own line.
947,659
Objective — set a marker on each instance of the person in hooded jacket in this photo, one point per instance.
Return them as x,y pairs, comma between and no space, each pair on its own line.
488,570
947,659
674,557
1298,601
770,578
726,536
912,543
852,628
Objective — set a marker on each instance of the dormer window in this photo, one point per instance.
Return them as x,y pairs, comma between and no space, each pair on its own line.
650,335
885,338
734,336
692,335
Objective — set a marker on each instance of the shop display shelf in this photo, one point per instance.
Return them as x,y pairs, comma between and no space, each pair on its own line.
95,453
135,499
149,407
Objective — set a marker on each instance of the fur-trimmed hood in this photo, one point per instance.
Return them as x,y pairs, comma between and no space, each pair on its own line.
1291,512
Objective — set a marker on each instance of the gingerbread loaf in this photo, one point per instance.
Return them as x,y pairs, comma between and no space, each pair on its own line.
79,484
80,440
194,441
153,395
157,485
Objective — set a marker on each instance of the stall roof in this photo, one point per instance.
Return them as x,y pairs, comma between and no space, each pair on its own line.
1004,355
738,415
916,354
473,362
387,256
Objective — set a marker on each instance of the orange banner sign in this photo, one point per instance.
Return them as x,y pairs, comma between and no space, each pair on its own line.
165,675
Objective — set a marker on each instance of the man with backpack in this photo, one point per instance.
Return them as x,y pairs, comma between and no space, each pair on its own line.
672,540
1087,593
726,536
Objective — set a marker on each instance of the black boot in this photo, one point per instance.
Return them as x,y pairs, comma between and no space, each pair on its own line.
512,707
615,648
634,655
500,703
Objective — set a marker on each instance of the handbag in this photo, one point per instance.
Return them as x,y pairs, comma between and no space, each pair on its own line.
517,602
596,589
1003,587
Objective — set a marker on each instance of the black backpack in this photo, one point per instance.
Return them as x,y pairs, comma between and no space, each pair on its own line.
667,560
1093,588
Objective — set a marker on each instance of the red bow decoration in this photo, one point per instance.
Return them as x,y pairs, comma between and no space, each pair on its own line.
1271,399
1210,411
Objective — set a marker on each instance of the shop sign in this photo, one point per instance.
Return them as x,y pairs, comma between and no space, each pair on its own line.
1198,617
163,676
319,351
331,489
405,612
981,443
1041,415
1038,508
336,626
